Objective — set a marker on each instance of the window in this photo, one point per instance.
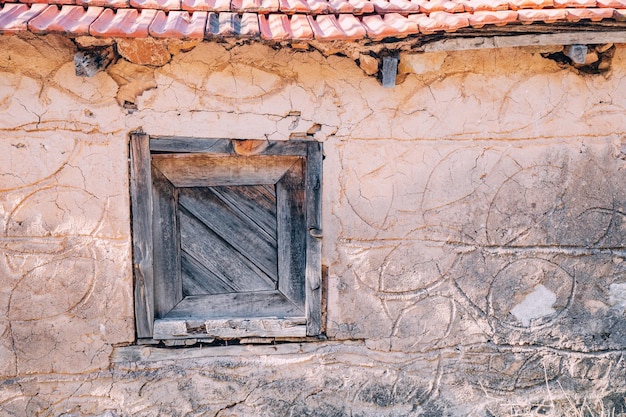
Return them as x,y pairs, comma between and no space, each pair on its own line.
226,237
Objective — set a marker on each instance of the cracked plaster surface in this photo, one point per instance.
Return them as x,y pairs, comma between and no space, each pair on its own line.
447,201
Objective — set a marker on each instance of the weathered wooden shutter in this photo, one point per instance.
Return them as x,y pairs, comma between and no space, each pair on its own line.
228,239
231,249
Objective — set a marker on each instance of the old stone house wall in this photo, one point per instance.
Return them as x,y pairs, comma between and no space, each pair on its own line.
473,221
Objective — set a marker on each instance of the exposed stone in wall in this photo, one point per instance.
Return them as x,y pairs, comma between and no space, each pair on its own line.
473,233
146,51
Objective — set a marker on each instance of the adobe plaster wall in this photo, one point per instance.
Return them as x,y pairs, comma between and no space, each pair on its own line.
473,233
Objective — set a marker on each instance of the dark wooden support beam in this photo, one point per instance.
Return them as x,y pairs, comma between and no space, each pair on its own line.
536,39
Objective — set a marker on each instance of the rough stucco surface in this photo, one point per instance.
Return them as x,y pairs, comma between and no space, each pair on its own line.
473,233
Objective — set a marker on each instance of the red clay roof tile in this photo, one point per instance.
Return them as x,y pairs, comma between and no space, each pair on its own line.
206,5
250,26
284,20
391,25
274,27
329,27
123,23
362,6
222,25
595,15
396,6
165,5
178,25
303,6
541,15
340,6
530,4
616,4
486,5
575,3
117,4
453,21
497,18
15,17
73,20
255,6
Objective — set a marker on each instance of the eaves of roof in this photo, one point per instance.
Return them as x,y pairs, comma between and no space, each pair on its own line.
298,20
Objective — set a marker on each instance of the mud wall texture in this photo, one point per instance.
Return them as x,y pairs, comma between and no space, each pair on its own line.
474,220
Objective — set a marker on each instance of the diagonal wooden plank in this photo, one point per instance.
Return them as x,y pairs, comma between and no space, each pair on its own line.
218,256
255,203
233,227
197,279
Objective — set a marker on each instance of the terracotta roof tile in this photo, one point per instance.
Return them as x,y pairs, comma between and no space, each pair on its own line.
486,5
280,27
396,6
341,6
575,3
206,5
440,21
429,6
300,28
60,2
616,4
497,18
595,15
156,4
541,15
123,23
74,20
391,25
362,6
250,26
222,25
15,17
331,27
285,20
178,25
255,6
118,4
530,4
303,6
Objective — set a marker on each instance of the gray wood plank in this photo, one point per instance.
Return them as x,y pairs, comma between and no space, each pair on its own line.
290,147
536,39
166,245
187,145
291,235
313,287
233,226
199,170
221,146
141,204
257,203
198,280
244,305
219,257
234,328
125,355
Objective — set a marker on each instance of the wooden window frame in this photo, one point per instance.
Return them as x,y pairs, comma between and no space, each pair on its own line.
161,311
